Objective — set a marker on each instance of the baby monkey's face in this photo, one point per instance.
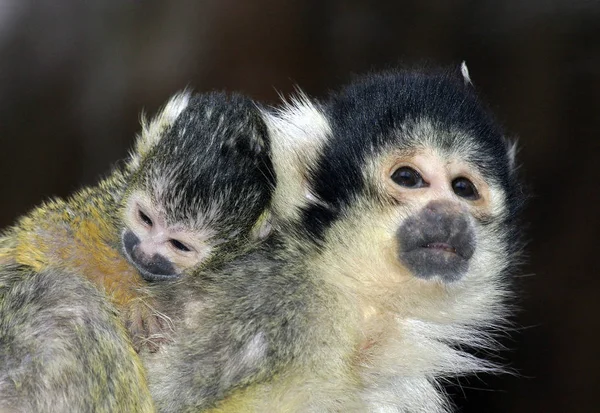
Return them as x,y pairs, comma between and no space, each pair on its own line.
160,249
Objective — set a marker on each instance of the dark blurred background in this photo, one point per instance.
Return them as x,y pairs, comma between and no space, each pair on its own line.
75,75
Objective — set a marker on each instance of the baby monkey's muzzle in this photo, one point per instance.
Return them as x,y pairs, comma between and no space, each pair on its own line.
438,241
151,268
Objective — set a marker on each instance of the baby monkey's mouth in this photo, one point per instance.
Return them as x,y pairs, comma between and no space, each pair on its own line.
151,268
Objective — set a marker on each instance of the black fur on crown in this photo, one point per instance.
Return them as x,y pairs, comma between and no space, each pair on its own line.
365,119
217,152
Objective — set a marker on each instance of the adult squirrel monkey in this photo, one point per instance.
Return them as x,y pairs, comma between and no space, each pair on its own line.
392,260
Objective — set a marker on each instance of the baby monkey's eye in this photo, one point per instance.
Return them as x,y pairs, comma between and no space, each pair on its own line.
144,218
465,189
408,178
179,245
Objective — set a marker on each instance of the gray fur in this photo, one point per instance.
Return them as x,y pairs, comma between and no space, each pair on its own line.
54,316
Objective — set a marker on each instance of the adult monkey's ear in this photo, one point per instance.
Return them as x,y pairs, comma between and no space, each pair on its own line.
299,129
464,71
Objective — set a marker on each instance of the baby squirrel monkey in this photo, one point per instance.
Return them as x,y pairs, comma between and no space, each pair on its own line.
195,189
394,257
197,185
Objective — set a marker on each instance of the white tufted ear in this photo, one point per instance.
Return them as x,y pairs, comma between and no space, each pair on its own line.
512,154
298,130
153,131
464,70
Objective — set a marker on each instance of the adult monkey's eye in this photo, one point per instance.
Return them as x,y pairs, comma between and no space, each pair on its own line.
179,245
408,178
465,189
144,218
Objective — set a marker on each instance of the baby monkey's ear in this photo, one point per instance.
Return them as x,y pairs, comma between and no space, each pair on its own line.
263,226
154,130
252,138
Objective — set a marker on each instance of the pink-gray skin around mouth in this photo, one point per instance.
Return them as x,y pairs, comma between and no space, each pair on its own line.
438,241
151,268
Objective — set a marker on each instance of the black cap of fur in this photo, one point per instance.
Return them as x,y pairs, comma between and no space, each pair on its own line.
365,117
215,156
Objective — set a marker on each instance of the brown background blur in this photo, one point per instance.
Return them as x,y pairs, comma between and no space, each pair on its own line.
74,77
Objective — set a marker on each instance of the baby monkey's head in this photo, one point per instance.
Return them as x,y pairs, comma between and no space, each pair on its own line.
201,181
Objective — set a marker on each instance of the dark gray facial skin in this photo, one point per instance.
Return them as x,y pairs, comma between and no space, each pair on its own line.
151,268
438,241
